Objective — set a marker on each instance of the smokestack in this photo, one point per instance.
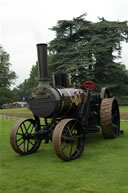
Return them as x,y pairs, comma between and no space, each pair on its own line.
42,64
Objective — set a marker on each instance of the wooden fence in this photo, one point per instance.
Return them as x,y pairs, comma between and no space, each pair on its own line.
4,117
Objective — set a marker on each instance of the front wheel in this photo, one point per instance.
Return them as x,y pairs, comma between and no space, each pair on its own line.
68,139
22,137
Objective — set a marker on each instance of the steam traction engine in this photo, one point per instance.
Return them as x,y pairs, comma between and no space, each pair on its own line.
69,114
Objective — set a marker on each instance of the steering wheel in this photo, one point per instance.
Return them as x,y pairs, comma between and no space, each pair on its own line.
89,84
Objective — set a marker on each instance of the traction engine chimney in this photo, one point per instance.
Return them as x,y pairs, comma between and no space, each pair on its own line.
42,64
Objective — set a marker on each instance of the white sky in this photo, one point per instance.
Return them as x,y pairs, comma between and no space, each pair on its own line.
24,23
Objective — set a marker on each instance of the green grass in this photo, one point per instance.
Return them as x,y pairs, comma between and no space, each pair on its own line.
26,113
103,167
17,112
123,108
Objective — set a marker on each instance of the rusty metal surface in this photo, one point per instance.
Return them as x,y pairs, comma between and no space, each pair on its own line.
106,117
73,149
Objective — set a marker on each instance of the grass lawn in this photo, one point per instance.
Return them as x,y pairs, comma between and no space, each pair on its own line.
17,112
124,108
103,167
26,113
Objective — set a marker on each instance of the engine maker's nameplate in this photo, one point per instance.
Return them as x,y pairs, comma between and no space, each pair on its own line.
42,93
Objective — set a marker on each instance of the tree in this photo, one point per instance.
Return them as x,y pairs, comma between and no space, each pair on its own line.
24,90
6,75
6,78
69,51
106,47
88,51
33,78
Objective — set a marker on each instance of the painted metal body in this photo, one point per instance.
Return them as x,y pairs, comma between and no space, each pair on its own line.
49,102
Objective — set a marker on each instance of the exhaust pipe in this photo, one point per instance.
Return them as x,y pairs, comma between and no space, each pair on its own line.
42,64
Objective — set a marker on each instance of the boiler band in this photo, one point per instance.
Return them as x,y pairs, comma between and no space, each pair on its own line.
71,99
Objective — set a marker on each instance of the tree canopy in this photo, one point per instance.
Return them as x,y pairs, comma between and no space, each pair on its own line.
24,89
88,51
85,48
7,78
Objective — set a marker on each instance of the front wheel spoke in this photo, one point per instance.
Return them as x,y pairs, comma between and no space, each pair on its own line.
68,150
25,127
28,146
65,147
78,151
65,137
21,143
31,130
73,126
77,136
29,126
71,149
19,139
31,142
19,134
21,129
24,146
69,130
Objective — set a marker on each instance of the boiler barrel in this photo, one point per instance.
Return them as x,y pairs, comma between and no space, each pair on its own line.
71,100
55,101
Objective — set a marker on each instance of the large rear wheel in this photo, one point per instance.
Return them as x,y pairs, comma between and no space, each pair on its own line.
110,118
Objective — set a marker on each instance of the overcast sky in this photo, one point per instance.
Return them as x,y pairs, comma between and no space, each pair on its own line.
24,23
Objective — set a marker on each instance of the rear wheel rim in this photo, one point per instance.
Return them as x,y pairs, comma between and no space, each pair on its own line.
110,118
